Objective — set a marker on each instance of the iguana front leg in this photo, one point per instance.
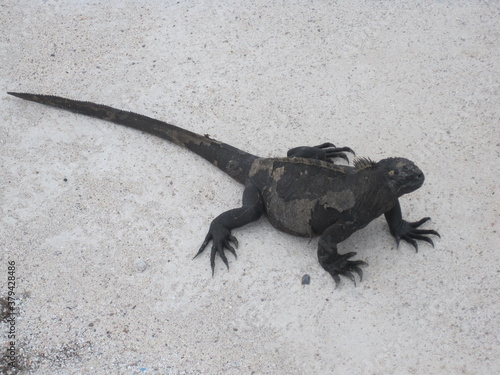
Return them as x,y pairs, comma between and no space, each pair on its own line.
407,231
334,263
326,152
220,228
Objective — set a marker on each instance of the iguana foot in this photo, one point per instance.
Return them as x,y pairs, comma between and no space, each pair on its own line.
333,152
338,264
407,231
221,240
326,152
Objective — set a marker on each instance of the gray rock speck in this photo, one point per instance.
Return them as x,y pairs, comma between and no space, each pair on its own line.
140,265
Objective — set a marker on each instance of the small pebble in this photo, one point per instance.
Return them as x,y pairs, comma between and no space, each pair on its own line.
306,279
140,265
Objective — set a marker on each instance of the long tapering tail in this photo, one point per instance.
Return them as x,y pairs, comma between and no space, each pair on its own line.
236,163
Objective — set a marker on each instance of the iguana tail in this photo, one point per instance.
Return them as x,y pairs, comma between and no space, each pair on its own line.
236,163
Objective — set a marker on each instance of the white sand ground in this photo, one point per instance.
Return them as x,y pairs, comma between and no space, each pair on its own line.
102,222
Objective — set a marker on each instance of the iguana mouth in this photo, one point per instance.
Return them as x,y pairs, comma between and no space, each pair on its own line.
414,183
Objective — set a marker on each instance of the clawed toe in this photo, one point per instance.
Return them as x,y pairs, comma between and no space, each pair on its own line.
221,240
349,275
409,232
347,271
341,266
332,152
416,224
229,247
325,152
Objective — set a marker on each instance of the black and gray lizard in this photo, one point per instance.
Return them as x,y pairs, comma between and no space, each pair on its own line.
304,194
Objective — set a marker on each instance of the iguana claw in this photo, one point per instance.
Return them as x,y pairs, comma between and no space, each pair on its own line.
332,152
221,240
338,264
325,151
407,231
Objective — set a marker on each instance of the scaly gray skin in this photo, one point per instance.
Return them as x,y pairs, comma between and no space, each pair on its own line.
304,194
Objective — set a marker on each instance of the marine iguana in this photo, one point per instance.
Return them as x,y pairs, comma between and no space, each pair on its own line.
304,194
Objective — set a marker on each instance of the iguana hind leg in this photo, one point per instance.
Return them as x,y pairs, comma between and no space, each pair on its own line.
220,228
326,152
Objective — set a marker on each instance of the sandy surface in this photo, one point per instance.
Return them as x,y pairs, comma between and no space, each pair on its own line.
102,222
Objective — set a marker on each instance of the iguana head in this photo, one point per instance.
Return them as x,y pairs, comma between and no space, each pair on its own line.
401,175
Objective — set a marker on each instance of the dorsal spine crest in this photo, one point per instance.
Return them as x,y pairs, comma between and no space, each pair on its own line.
363,163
